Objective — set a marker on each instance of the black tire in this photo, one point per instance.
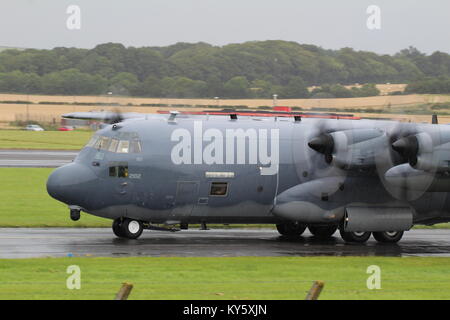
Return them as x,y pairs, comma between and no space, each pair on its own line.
131,229
75,215
322,232
291,229
117,228
358,237
388,236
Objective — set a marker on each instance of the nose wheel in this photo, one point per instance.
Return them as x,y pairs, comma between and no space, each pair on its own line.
127,228
74,214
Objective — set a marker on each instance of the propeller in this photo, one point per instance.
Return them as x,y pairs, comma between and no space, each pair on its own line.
401,151
323,144
408,148
115,117
312,147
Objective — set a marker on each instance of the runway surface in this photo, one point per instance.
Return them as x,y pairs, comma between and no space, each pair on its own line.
35,158
28,243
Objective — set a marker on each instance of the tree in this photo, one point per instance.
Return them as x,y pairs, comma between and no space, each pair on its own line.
73,82
255,69
151,87
237,88
296,88
125,84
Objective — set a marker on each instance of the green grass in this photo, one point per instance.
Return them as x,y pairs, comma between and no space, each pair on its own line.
19,139
226,278
24,202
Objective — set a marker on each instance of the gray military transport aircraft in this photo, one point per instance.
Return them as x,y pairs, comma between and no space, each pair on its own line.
363,177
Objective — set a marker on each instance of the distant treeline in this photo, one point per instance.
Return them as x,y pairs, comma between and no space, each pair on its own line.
247,70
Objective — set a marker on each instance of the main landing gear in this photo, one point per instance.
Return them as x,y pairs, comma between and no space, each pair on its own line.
295,229
322,232
382,236
291,229
388,236
358,237
127,228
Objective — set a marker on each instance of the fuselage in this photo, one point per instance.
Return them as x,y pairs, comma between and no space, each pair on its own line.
220,170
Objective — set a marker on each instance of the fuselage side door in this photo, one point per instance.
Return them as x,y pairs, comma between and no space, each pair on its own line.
186,197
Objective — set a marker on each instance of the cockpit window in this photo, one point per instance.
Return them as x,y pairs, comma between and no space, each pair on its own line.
124,146
92,142
123,142
113,145
135,147
104,143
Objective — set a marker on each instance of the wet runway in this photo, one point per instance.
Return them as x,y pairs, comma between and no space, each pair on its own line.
35,158
58,242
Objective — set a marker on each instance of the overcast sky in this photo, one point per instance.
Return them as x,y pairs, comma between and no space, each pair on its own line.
331,24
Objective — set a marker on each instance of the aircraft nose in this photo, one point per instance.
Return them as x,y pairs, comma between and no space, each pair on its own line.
70,183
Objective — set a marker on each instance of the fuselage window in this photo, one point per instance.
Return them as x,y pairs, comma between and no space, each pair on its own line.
123,171
118,171
124,146
113,171
219,189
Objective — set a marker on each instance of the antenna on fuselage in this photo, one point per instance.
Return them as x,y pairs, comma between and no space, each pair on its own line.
434,119
173,115
233,116
298,118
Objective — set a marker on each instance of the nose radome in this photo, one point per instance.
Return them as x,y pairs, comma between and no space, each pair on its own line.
70,183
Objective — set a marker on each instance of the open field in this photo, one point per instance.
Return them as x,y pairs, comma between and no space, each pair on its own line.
49,108
226,278
24,202
49,140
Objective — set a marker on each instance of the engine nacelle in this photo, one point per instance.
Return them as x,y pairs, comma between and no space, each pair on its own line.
428,151
350,148
357,148
405,177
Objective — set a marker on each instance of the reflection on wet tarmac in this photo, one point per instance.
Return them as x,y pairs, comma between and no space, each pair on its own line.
25,243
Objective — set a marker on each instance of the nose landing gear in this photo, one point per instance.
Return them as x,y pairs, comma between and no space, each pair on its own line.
75,214
127,228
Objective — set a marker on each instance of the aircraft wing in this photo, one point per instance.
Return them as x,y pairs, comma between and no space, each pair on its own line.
104,116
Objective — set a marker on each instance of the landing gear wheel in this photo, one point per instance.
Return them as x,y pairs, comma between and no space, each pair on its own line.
127,228
322,232
117,228
388,236
75,215
291,229
359,237
132,229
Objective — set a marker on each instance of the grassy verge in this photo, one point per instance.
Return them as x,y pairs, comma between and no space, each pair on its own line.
226,278
24,202
19,139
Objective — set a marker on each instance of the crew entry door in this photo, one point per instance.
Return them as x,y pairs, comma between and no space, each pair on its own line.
186,197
